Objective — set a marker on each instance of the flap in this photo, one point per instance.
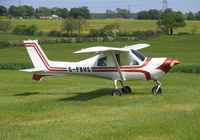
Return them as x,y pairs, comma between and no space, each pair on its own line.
137,46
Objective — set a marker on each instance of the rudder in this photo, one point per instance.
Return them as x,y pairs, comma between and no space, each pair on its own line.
38,57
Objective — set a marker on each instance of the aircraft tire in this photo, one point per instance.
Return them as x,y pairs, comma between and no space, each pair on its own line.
126,89
156,92
117,92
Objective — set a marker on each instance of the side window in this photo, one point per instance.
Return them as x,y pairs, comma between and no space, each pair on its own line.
125,60
102,62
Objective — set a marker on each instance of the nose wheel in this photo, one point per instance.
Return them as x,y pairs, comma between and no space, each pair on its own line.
157,89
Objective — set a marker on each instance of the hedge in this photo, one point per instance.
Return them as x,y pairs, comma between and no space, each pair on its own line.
191,68
15,43
15,66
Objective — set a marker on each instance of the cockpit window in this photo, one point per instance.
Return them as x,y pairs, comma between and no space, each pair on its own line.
139,55
102,62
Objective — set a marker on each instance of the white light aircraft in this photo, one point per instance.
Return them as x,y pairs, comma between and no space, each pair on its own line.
117,64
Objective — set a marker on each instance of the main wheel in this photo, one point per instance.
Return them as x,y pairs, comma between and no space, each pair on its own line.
117,92
126,89
155,91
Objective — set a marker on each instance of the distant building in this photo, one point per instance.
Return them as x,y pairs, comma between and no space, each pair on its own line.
50,17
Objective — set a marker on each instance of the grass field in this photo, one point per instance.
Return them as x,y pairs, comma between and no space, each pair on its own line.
132,25
65,108
81,107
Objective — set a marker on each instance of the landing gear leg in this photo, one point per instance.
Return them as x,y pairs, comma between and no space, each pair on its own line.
157,89
116,91
125,89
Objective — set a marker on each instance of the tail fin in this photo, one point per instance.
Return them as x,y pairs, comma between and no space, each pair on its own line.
38,57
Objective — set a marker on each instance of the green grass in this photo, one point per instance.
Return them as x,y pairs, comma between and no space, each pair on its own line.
184,48
132,25
81,107
65,108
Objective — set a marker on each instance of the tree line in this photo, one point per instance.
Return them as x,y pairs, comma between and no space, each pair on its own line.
118,13
29,12
154,14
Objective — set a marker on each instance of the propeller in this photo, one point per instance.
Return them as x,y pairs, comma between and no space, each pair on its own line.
174,62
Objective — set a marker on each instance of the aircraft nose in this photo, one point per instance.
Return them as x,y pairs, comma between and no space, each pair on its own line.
168,64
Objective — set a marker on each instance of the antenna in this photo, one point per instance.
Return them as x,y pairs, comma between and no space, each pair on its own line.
129,9
164,5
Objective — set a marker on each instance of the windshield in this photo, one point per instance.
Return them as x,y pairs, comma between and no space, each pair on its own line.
139,55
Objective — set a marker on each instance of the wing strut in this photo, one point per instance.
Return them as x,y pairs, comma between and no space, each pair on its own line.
117,66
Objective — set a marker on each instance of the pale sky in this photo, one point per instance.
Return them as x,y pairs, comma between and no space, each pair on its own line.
100,6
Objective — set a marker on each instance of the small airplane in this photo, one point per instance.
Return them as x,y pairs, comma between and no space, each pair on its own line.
117,64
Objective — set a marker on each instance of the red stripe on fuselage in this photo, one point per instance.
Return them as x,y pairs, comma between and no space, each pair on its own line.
125,69
43,58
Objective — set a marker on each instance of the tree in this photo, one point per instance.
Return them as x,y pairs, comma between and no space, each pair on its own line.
12,11
143,15
31,30
63,13
166,12
123,13
110,13
154,14
4,25
110,29
23,29
190,16
80,23
80,12
3,11
20,11
43,11
30,11
197,15
171,21
68,25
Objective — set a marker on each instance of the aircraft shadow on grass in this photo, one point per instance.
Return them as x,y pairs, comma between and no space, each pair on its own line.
81,96
94,94
27,93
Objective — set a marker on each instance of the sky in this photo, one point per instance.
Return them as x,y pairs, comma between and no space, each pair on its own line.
100,6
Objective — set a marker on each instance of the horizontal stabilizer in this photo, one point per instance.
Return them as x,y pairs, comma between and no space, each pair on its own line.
38,77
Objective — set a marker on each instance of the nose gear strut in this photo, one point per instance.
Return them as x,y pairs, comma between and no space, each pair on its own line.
157,89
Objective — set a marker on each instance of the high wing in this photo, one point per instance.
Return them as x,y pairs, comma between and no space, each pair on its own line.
100,49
